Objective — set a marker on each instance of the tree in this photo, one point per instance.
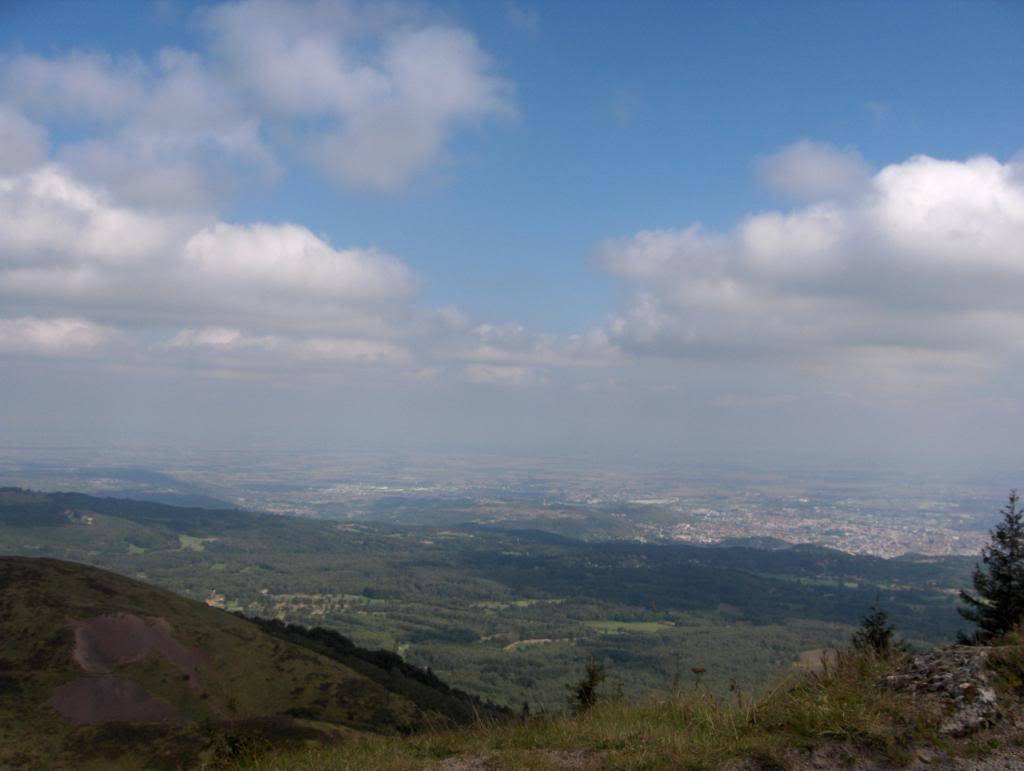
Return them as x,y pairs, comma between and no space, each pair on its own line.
997,604
524,713
875,633
584,693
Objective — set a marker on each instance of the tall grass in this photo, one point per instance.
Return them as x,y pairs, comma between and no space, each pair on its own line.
842,703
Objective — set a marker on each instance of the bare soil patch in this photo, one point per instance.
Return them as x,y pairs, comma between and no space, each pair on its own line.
105,642
108,699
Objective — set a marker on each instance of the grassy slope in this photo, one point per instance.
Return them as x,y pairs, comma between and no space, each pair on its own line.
250,675
840,713
830,719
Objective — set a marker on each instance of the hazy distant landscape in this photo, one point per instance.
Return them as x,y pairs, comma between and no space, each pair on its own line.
869,512
507,607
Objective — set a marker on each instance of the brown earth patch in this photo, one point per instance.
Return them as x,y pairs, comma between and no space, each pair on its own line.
465,763
108,699
105,642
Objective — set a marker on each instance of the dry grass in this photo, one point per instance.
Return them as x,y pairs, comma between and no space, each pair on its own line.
841,703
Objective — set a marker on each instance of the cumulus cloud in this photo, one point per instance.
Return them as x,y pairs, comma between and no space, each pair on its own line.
76,266
509,354
51,336
289,259
112,169
86,87
390,90
371,94
48,217
214,337
238,350
924,268
22,143
158,132
502,375
65,244
809,171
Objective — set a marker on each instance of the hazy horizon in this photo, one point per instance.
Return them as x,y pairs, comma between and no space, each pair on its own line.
778,236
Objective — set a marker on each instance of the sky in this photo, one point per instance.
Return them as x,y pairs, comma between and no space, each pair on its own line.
771,233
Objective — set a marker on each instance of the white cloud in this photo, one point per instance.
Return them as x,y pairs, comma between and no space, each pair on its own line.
807,170
23,144
924,268
205,336
502,348
289,259
224,346
370,94
51,336
501,375
117,229
65,244
920,273
80,86
157,132
49,217
235,297
392,88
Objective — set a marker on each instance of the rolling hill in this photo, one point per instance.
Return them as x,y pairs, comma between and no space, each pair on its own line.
98,670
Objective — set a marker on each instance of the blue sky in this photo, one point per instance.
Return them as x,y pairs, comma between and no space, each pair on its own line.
583,126
631,117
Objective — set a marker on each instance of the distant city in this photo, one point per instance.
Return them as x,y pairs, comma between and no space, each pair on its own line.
866,514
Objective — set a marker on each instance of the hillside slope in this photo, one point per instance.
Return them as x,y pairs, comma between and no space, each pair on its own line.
99,669
954,708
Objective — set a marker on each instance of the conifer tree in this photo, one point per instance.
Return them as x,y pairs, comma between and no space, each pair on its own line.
875,633
584,693
997,604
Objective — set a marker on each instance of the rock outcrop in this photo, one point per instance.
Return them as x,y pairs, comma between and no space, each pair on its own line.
958,677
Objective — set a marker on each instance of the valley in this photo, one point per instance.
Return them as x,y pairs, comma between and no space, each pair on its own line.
508,614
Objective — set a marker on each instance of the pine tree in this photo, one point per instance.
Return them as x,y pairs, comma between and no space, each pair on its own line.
584,693
875,633
997,604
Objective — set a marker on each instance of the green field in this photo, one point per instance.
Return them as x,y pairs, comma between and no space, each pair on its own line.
618,627
193,543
